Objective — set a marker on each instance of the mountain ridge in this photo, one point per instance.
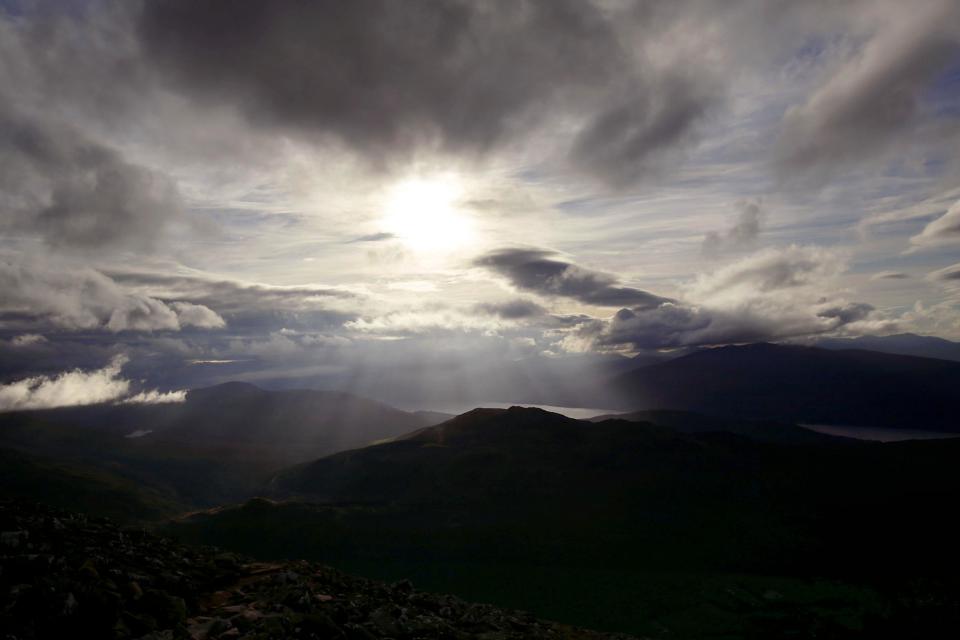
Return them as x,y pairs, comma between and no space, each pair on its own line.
803,384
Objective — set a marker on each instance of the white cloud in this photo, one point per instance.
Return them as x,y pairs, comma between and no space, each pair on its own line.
197,315
942,232
71,388
77,388
27,339
155,397
770,295
84,298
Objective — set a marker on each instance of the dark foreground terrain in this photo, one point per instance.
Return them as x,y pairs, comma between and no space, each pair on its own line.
64,575
632,526
659,523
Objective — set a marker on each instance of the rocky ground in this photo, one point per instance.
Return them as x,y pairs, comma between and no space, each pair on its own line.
67,575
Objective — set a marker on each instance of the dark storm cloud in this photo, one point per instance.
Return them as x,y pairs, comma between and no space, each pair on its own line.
743,233
539,271
76,192
389,78
512,309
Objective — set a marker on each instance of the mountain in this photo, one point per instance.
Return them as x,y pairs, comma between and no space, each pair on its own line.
626,525
474,456
217,445
803,384
81,487
240,420
689,422
906,344
95,580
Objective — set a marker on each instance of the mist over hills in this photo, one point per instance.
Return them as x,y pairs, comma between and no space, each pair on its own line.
216,446
242,420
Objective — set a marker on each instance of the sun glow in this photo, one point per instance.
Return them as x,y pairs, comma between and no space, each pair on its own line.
423,214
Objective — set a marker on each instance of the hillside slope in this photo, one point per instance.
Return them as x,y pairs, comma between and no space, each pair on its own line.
803,384
66,575
602,524
219,445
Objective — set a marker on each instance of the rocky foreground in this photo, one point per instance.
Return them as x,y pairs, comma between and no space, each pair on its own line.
67,575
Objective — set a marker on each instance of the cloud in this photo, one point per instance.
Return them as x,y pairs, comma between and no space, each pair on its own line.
27,339
155,397
434,320
941,232
197,315
773,294
388,80
84,298
769,270
890,275
70,86
742,234
874,99
946,274
375,237
78,387
68,389
541,272
512,309
78,193
248,307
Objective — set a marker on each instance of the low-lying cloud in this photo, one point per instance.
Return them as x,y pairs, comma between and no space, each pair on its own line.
77,388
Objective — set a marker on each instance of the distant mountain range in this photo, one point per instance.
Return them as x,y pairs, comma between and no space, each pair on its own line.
216,446
905,344
760,430
241,421
802,384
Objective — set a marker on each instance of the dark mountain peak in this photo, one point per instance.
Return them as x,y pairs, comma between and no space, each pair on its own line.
233,389
802,384
909,344
483,424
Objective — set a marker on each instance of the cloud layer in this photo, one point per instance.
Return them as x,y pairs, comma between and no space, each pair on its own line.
768,295
77,388
87,299
544,273
390,79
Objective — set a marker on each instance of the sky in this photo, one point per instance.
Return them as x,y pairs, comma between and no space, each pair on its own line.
316,193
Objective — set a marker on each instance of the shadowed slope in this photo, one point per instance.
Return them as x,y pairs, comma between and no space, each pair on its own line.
803,384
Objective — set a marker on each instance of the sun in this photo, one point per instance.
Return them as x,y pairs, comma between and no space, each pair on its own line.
423,213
